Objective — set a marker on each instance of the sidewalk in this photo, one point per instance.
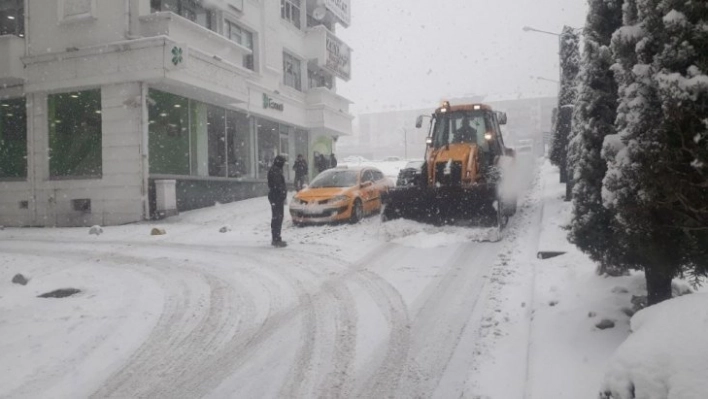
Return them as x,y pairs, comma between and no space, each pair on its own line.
568,353
556,212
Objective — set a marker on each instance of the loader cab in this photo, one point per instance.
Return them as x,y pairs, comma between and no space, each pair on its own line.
466,124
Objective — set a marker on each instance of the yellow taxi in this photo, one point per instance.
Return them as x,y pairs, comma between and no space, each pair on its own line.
340,194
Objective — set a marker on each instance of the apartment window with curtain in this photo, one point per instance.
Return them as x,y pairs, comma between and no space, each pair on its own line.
244,38
190,9
292,72
12,17
290,11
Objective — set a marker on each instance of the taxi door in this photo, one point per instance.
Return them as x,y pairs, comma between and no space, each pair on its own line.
369,192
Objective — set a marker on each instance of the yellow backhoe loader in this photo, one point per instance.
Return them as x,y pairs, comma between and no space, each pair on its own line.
465,177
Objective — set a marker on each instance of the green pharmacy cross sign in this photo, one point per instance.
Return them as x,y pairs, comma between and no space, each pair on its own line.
176,55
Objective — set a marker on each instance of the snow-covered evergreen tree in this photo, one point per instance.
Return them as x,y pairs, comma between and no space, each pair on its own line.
592,227
682,78
652,179
569,64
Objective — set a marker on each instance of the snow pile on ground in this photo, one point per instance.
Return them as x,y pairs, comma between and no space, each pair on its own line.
667,354
420,235
424,240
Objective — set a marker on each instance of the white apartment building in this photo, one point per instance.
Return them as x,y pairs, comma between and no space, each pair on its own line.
113,110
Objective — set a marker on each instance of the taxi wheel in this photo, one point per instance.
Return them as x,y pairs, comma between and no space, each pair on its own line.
357,211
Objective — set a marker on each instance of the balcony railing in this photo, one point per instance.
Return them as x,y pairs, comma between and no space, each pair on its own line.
328,112
12,49
182,30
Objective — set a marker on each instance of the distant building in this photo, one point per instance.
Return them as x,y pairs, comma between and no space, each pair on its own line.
110,108
387,133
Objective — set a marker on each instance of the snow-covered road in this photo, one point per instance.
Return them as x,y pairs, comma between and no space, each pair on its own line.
366,310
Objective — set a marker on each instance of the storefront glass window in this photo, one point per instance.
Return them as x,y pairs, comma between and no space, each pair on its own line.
216,129
238,138
188,137
285,146
268,145
169,138
301,145
12,17
13,139
75,145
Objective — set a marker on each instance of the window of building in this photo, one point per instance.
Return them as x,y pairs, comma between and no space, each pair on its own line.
238,144
292,75
168,137
216,129
244,38
188,137
190,9
75,144
285,132
13,139
12,17
319,78
268,145
290,11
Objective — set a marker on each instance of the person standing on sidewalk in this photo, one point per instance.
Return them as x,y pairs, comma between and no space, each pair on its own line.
277,193
300,168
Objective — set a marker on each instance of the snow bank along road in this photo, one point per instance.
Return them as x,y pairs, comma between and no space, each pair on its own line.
371,310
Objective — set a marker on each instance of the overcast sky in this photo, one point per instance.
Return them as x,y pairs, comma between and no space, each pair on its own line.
412,53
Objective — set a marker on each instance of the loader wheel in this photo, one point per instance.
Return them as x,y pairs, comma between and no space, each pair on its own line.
357,211
389,212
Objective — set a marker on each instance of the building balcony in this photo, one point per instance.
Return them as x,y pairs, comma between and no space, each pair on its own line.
182,30
328,112
328,52
12,49
331,10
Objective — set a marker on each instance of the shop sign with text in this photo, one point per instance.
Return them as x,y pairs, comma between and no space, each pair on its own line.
341,9
269,103
338,57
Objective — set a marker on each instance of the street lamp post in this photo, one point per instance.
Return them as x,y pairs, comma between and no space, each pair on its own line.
405,142
563,169
560,46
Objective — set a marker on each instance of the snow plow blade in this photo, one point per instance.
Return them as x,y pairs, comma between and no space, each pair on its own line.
444,205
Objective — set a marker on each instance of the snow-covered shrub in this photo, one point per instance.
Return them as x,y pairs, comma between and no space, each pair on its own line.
666,356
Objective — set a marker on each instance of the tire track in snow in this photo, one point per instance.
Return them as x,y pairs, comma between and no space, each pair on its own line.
445,316
384,379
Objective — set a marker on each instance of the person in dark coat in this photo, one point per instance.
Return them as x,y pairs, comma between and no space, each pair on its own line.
332,161
277,193
321,163
300,168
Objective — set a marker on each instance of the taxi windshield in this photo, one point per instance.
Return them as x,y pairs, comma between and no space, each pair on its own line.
335,178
